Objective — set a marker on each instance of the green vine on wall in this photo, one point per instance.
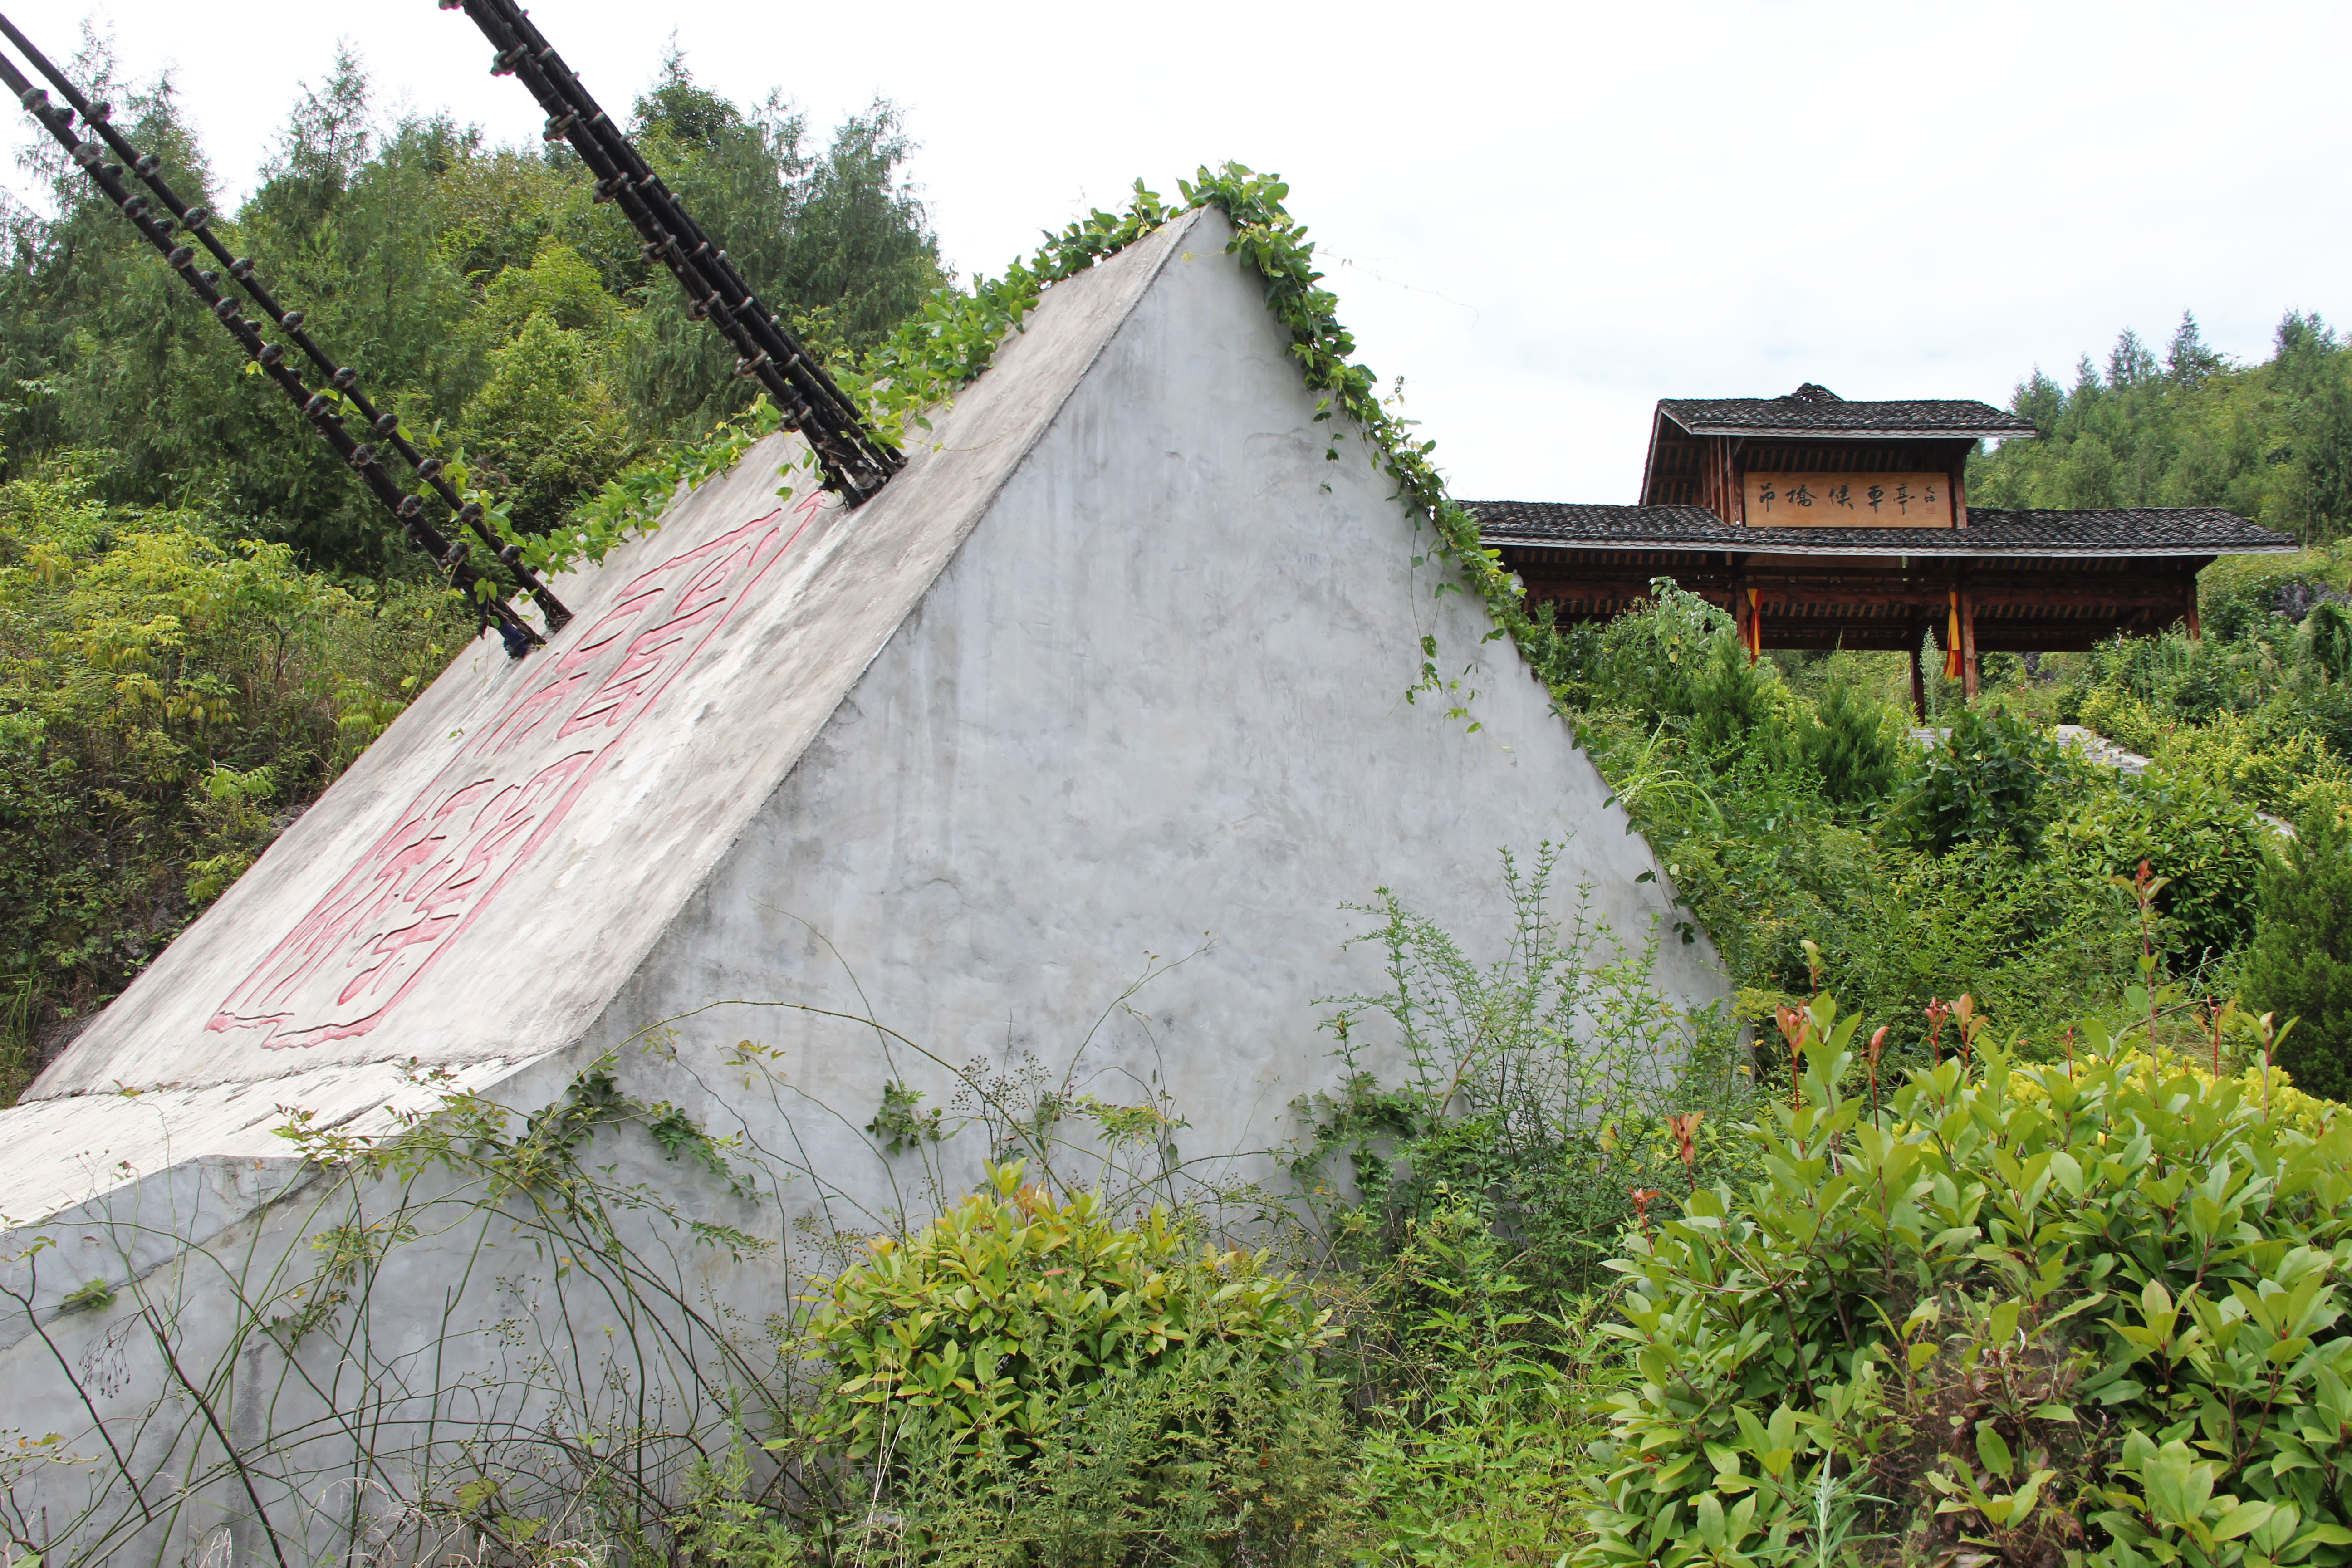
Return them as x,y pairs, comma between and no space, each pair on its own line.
933,355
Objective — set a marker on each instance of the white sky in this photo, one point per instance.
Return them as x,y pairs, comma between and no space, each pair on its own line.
1544,217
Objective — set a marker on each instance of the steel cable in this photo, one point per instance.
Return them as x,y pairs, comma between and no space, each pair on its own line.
857,463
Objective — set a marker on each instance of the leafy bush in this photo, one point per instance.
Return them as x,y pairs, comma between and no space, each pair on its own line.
2265,764
1982,783
2301,963
1477,1415
1023,1369
1981,1307
2186,828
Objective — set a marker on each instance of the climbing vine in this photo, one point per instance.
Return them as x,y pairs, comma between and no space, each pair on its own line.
935,353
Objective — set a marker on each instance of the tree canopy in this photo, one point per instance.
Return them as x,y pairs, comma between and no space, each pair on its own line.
480,290
2271,441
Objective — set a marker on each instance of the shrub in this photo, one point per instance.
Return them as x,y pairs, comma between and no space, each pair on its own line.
171,694
2301,963
1980,1310
1982,783
2327,633
1854,748
1650,661
1023,1369
1546,1079
1731,700
2187,829
2262,759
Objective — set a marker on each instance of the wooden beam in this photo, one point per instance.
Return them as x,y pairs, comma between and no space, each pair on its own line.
1967,649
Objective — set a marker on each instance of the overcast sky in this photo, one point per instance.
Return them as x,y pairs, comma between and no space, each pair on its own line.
1544,217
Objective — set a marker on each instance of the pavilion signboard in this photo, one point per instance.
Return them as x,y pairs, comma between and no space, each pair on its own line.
1849,500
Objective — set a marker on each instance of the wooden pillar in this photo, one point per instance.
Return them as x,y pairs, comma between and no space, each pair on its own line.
1918,677
1969,648
2193,633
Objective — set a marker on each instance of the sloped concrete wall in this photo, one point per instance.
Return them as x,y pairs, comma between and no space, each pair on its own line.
1157,705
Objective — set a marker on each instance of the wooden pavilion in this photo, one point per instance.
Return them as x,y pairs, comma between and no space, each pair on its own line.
1823,523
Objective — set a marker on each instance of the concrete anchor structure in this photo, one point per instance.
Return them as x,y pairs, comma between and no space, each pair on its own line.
803,804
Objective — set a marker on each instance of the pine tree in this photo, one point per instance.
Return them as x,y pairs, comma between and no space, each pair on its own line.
2189,362
2129,362
1850,746
1730,701
2300,965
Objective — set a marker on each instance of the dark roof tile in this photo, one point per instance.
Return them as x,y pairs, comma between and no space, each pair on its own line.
2125,530
1816,411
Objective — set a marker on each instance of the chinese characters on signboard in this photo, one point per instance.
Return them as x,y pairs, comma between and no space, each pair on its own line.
1849,500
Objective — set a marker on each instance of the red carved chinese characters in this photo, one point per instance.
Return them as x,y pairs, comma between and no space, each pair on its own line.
365,945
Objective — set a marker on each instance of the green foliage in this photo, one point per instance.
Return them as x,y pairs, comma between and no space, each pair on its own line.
1992,1295
1982,783
1472,1446
1025,1369
1553,1077
1732,702
2328,632
170,693
984,1331
2300,965
2191,830
1856,749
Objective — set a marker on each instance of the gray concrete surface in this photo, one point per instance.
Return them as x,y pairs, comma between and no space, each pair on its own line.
1110,686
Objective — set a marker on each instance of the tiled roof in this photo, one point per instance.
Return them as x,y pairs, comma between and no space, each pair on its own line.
1813,410
2125,530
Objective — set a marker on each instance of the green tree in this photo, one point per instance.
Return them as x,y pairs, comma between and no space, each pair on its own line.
1853,747
2300,964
